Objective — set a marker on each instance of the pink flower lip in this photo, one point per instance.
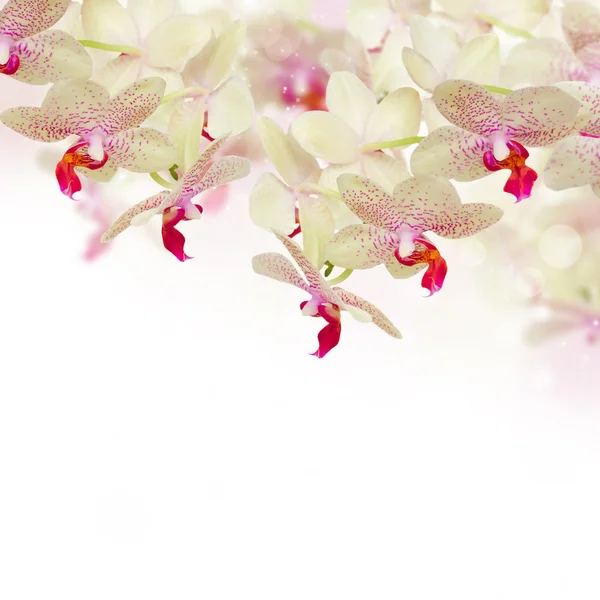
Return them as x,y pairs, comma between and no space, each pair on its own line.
75,156
436,272
521,179
11,66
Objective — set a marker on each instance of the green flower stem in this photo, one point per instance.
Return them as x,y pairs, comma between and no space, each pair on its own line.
517,31
409,141
131,50
308,25
161,181
313,188
340,278
191,92
498,90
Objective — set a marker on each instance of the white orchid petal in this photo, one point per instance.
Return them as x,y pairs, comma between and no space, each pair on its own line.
141,150
317,225
148,14
108,22
478,60
295,165
175,41
431,43
385,170
396,117
230,108
369,20
326,136
581,24
118,73
273,204
588,96
350,99
185,127
421,71
360,247
451,152
388,73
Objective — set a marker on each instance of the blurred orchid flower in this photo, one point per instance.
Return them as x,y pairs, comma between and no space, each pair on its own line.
325,301
547,60
491,132
437,56
355,130
176,204
30,53
150,38
576,160
107,128
394,226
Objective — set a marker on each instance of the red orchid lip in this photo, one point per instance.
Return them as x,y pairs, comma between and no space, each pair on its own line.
329,336
76,156
435,275
11,66
521,180
173,239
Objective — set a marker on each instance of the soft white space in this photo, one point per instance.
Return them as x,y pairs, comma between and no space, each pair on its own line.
164,433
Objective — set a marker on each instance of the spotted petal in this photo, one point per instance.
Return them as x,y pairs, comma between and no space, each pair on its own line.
376,315
360,247
581,24
539,116
51,56
151,204
469,220
279,267
133,105
194,174
469,106
33,123
451,152
23,18
223,171
574,162
141,150
588,95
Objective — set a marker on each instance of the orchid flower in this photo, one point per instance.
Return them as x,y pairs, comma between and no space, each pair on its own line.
176,204
436,56
355,130
107,128
325,302
491,132
576,160
394,226
150,38
30,53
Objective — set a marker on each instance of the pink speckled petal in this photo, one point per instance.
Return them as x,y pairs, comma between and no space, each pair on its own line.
51,56
368,201
378,317
574,162
539,116
80,104
141,150
590,57
469,106
360,247
276,266
192,178
133,105
452,153
426,203
22,18
588,95
223,171
581,24
152,205
34,123
314,278
470,219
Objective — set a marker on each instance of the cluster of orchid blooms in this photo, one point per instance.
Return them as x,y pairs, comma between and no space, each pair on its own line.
382,116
